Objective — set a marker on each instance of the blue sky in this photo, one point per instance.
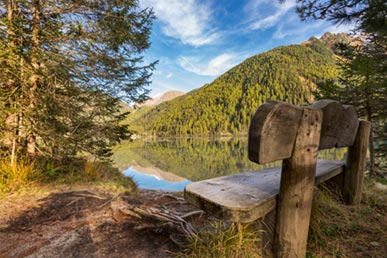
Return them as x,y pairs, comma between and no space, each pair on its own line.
195,41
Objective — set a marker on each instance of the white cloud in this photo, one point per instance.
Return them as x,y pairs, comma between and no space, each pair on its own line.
286,22
341,28
277,10
187,21
214,67
169,75
302,30
298,29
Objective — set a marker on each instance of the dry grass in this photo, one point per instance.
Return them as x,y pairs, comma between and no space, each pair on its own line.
338,230
24,176
13,177
222,240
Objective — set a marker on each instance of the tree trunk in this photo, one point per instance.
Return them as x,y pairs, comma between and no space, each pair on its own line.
34,80
371,139
13,120
372,152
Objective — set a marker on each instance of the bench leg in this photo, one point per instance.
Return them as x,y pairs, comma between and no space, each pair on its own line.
296,190
355,165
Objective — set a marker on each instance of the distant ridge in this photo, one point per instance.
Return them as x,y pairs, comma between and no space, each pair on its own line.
167,96
331,40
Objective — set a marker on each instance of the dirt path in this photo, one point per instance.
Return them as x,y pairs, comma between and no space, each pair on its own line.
89,224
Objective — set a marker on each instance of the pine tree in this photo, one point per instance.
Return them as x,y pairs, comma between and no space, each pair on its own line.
64,68
363,81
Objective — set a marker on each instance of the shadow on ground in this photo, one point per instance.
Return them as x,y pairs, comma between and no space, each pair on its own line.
86,224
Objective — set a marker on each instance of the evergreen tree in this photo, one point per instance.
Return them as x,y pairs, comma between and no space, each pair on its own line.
363,80
64,67
362,83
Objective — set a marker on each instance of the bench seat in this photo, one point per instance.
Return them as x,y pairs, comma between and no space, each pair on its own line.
248,196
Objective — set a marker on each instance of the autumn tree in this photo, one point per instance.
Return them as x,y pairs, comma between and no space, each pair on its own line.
65,67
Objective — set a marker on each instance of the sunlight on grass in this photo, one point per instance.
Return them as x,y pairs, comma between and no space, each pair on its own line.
27,175
15,176
225,240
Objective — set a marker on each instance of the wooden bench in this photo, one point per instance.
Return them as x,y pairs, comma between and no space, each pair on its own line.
293,134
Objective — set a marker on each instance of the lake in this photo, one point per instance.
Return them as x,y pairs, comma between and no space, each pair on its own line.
171,163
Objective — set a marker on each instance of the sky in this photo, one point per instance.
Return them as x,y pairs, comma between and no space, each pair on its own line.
195,41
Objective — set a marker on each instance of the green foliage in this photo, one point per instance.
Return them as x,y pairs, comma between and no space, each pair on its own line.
363,78
369,16
133,118
223,241
65,66
226,105
362,82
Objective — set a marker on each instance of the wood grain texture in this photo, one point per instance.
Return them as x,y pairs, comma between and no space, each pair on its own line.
296,189
355,165
339,126
248,196
273,131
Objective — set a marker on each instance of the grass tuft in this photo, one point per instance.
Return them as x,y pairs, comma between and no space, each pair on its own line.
15,176
225,240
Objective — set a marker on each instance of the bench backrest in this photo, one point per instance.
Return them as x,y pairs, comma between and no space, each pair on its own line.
273,129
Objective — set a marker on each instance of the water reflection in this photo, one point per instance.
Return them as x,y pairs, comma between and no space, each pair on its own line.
155,163
154,182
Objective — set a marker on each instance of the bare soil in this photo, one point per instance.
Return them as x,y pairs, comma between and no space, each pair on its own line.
99,223
89,224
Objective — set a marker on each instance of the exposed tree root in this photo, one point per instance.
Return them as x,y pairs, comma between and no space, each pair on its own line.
168,218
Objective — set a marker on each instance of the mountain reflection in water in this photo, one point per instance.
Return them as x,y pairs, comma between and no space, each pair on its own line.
149,181
171,163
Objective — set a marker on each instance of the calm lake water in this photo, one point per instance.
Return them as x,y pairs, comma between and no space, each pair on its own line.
171,163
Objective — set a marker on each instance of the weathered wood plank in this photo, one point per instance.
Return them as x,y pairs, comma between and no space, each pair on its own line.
339,126
355,165
274,126
296,189
248,196
273,131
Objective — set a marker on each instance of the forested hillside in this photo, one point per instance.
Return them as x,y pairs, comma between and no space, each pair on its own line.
288,73
167,96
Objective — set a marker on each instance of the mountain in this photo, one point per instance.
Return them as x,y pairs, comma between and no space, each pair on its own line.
167,96
139,110
333,40
225,106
